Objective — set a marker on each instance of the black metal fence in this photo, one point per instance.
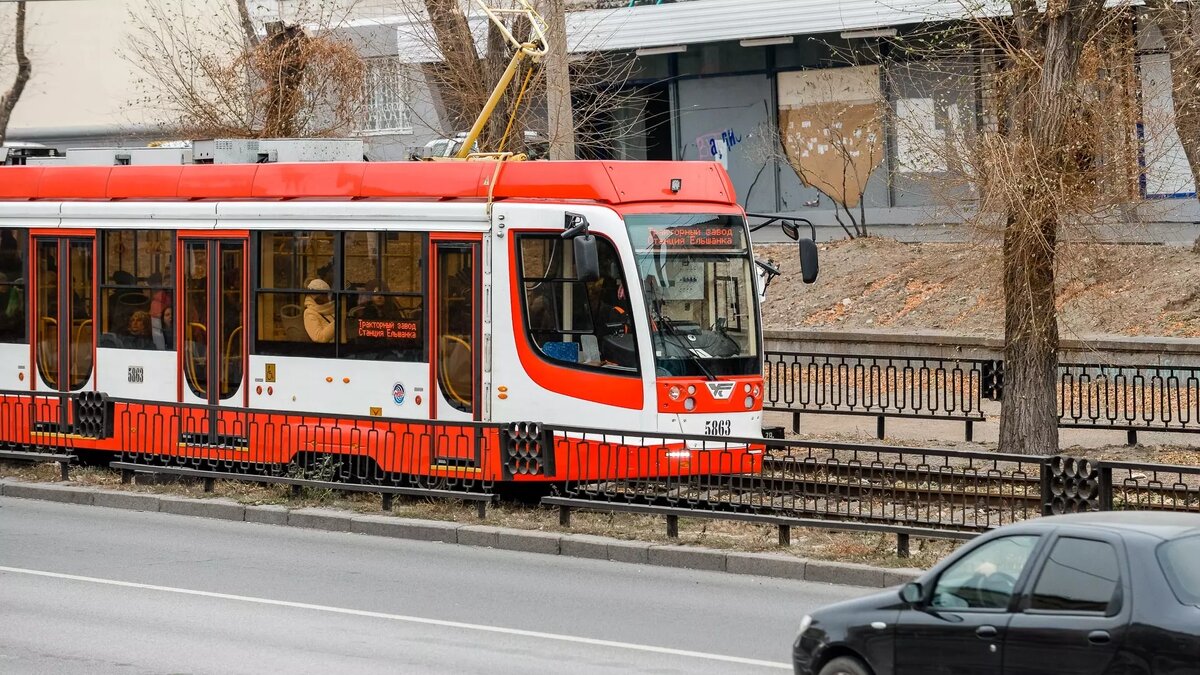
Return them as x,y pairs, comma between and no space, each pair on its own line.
880,386
903,491
1128,398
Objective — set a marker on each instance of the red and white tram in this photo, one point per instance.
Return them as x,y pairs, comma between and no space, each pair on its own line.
619,295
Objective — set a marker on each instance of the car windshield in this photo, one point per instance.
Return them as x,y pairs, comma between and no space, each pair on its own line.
1178,560
696,275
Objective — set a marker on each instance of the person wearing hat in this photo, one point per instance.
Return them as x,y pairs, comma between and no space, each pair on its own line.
318,312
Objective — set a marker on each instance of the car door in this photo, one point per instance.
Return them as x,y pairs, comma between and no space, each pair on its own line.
1073,617
960,627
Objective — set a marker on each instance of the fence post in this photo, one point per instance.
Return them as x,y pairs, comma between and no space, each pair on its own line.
387,501
795,423
785,535
672,527
1131,437
879,427
902,550
64,469
1106,488
126,476
970,431
481,509
564,515
209,484
1044,475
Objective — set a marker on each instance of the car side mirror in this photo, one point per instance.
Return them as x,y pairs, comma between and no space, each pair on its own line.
587,263
810,265
912,593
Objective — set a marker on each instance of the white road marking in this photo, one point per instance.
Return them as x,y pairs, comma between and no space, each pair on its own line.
410,619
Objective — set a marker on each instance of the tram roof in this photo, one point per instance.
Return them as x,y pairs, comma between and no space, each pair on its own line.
609,182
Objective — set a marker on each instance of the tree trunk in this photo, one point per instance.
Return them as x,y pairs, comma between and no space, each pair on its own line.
559,111
285,64
460,77
251,35
24,69
1029,421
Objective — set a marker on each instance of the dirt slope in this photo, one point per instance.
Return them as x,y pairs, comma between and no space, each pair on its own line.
879,283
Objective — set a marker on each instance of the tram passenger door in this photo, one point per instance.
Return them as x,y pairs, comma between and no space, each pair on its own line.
457,345
63,324
212,354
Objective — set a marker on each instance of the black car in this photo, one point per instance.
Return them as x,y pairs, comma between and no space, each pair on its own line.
1114,592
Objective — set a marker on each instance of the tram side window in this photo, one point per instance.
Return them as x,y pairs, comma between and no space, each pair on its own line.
366,304
383,315
13,300
137,287
583,324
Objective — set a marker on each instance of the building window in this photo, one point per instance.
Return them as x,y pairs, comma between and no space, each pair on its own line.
356,295
387,97
137,284
13,300
570,321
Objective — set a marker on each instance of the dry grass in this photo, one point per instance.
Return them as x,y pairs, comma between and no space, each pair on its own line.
874,549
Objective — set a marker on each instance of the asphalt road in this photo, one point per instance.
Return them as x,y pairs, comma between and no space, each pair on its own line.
94,590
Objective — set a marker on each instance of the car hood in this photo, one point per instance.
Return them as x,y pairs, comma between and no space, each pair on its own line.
889,599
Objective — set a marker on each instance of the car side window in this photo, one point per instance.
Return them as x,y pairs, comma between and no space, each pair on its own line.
1080,575
986,577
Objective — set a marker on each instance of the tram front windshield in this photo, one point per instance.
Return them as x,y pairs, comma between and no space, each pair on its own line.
697,276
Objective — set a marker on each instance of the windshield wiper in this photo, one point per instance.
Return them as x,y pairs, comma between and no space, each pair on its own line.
674,332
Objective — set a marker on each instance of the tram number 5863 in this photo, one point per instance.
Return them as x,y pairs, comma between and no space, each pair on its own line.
716,427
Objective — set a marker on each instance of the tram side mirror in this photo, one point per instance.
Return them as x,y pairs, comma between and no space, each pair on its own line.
810,266
587,264
789,228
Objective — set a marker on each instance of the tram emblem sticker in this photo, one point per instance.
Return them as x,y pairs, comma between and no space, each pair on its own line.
720,390
398,393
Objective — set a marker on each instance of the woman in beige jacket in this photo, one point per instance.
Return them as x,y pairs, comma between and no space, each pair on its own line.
318,312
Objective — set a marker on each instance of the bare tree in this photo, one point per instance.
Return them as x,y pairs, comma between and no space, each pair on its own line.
24,70
218,76
463,71
1040,166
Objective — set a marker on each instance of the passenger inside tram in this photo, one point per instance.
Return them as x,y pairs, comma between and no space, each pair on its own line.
319,312
138,333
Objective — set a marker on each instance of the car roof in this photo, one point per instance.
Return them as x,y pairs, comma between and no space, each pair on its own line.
1160,524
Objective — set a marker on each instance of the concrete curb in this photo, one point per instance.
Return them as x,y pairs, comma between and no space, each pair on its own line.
510,539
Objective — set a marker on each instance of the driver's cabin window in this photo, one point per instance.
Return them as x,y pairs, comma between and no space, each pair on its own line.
571,322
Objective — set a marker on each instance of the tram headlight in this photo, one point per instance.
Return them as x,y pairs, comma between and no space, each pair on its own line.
691,389
674,392
689,404
756,392
749,402
747,387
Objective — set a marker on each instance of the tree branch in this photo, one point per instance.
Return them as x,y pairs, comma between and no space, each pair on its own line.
24,70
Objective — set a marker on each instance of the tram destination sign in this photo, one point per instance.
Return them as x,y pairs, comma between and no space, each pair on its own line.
387,330
703,235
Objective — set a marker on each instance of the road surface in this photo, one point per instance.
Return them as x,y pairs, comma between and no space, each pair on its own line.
94,590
